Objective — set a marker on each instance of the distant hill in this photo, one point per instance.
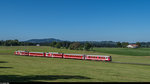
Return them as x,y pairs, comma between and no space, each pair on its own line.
47,40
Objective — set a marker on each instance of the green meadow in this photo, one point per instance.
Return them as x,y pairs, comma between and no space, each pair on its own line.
40,69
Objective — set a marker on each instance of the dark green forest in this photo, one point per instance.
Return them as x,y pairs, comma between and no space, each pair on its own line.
74,45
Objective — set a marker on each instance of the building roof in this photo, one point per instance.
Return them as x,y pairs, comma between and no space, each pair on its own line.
133,44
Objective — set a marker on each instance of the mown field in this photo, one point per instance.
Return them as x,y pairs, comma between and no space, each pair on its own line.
138,55
39,69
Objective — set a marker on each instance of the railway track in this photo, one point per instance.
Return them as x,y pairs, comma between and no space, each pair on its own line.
130,63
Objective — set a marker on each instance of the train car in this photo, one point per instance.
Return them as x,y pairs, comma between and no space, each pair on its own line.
25,53
98,57
48,54
74,56
57,55
21,53
17,52
39,54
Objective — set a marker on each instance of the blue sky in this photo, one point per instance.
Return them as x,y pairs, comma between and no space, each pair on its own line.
75,20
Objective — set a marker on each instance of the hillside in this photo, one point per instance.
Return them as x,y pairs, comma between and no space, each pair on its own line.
47,40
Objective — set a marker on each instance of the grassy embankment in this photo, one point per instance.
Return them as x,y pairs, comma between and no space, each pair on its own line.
24,69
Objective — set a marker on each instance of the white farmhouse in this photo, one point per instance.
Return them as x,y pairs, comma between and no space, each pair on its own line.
132,46
37,44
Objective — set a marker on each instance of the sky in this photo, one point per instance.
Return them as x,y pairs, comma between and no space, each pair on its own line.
75,20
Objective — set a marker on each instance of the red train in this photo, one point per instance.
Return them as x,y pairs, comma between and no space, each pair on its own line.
65,56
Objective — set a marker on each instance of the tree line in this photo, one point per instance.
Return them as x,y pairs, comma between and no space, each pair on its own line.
72,45
87,45
15,43
113,44
80,45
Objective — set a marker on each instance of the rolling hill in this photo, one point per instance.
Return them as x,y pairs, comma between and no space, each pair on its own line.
47,40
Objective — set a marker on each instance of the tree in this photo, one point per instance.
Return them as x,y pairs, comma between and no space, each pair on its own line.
58,45
0,43
14,42
87,46
75,46
81,47
8,42
124,44
67,44
53,43
138,43
119,44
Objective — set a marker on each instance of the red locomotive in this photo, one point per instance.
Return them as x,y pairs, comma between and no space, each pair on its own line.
98,57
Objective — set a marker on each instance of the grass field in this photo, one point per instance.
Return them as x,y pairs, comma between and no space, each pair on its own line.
139,55
126,51
39,69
